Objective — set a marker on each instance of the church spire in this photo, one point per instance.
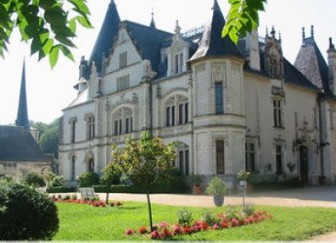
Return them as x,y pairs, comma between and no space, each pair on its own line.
22,115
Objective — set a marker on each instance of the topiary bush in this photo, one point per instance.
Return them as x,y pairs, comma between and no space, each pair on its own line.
34,179
88,179
26,214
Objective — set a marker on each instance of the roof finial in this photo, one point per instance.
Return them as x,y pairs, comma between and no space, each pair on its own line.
266,30
331,45
177,28
279,36
273,32
312,31
303,34
152,23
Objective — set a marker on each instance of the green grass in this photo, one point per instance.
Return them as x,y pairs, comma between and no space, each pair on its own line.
82,222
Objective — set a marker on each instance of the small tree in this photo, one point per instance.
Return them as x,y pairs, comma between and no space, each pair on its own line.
143,160
34,179
88,179
111,176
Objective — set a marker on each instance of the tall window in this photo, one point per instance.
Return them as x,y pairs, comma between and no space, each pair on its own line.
278,158
73,168
90,127
122,121
123,59
123,82
220,156
277,113
91,165
183,160
73,130
177,111
273,67
250,156
170,116
178,59
129,125
183,113
219,106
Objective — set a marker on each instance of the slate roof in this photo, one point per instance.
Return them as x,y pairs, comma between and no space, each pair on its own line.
105,39
211,43
148,41
312,64
17,144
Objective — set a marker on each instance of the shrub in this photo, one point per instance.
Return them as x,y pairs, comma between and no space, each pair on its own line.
87,179
60,189
216,186
58,180
210,218
184,217
111,174
26,214
34,179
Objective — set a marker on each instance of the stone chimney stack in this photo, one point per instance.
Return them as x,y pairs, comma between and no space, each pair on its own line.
252,48
332,66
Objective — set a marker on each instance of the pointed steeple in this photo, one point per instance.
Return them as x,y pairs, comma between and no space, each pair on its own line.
212,43
22,115
152,23
105,37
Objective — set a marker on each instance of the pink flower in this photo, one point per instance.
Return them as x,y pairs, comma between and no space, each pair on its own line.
155,235
176,230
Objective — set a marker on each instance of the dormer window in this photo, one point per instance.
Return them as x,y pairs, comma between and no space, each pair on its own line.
178,63
123,59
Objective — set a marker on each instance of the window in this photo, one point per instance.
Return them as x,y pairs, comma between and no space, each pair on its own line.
73,168
220,156
180,115
90,127
219,106
91,165
73,130
129,124
123,60
183,160
123,82
178,59
278,158
277,113
122,121
250,156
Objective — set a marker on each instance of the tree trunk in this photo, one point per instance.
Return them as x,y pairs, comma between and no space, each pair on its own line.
107,194
149,212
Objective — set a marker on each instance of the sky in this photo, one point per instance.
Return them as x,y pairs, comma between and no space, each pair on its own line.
51,90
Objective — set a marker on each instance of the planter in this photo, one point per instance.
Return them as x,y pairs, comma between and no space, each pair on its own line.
218,200
197,190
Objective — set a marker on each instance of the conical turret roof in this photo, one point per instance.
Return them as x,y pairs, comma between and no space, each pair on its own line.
212,43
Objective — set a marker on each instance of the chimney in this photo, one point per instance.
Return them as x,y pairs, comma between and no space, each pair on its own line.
252,48
332,66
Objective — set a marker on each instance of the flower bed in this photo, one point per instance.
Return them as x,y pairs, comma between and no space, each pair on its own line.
165,230
94,203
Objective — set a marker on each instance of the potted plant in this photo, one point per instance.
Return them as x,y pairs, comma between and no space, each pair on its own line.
217,189
196,183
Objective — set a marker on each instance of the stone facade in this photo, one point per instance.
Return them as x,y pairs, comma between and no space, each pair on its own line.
230,108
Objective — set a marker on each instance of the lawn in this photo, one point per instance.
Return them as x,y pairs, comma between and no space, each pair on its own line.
83,222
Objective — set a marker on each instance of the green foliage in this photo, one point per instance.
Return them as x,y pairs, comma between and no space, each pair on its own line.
26,214
34,179
88,179
60,189
242,18
111,174
248,208
143,161
216,186
50,25
57,181
184,217
243,175
49,139
196,180
210,218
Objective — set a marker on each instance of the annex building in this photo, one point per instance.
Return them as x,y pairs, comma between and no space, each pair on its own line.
230,107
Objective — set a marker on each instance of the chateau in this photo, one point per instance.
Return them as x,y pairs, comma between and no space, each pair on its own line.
230,107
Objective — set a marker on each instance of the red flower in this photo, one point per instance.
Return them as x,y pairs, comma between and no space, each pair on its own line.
166,233
155,235
177,230
142,230
129,232
224,224
234,222
187,230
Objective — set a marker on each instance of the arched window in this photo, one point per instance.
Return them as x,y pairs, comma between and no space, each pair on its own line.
122,121
182,158
177,111
91,165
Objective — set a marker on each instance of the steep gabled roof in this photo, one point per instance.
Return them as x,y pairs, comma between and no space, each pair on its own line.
294,76
148,41
22,114
105,39
212,44
311,63
17,144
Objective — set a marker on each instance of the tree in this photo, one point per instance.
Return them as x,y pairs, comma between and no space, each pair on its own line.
242,18
143,160
49,139
48,24
111,176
